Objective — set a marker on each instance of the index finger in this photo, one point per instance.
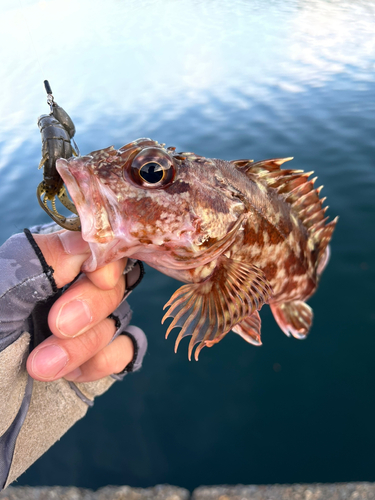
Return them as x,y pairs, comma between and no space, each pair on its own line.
107,277
83,306
65,252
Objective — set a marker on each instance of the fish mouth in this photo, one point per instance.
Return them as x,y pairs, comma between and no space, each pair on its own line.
93,201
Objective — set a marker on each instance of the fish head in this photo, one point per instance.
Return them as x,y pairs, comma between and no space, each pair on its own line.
148,202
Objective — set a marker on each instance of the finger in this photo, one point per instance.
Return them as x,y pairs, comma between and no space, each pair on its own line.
65,252
112,359
107,277
54,358
83,306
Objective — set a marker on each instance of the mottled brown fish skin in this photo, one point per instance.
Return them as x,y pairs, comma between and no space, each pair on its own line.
272,238
238,233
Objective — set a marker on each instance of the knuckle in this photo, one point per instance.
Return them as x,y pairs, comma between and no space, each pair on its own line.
105,363
114,297
96,339
120,288
89,343
114,358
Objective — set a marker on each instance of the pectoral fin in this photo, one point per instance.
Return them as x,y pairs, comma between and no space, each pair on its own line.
294,318
209,310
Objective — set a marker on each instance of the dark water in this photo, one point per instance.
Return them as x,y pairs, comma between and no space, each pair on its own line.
229,79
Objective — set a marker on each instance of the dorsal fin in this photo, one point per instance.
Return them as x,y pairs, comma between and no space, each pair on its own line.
297,190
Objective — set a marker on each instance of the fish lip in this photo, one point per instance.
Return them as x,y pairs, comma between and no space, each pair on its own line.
98,209
93,202
71,173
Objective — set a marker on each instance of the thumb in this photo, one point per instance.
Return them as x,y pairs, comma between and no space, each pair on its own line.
65,251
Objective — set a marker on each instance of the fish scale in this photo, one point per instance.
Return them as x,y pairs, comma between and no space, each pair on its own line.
240,234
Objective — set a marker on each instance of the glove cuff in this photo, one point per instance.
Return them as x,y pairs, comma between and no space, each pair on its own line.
48,270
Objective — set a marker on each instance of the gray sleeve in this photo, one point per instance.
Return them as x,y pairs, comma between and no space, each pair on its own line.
34,415
23,283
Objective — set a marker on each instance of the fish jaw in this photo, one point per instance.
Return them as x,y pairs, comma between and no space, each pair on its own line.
111,226
94,202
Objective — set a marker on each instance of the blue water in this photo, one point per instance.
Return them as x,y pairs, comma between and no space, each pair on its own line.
229,79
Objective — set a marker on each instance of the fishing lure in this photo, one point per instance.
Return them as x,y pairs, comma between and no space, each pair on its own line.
57,131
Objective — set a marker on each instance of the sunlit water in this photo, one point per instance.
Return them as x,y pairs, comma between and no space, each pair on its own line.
229,79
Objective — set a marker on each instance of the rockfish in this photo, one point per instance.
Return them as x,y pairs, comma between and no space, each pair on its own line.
239,234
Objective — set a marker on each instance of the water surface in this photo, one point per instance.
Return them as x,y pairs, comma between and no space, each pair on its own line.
229,79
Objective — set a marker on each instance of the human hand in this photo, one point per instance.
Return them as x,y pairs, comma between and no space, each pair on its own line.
79,348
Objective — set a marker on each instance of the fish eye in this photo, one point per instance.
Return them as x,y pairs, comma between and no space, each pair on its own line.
151,168
151,172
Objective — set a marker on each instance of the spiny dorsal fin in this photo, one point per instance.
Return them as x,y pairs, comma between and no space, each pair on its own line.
241,164
322,237
293,186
